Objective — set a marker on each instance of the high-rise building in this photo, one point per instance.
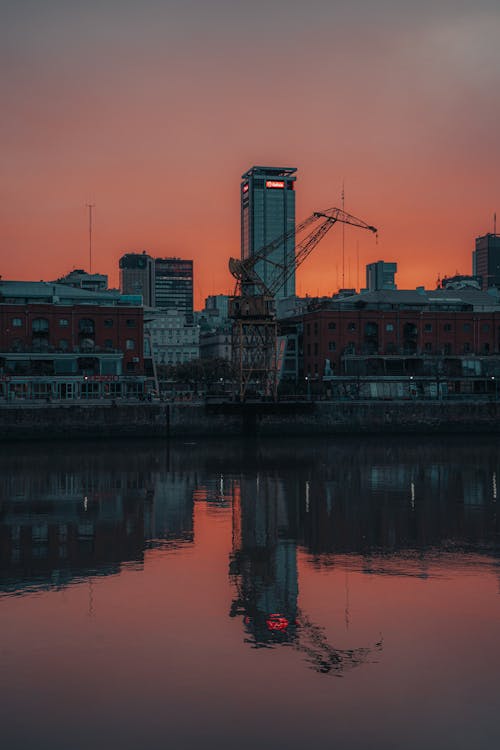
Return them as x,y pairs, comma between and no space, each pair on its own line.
380,275
268,212
174,285
486,260
137,276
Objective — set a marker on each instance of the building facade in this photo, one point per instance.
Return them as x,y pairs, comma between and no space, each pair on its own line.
173,340
486,260
267,213
174,286
60,342
376,337
137,276
380,275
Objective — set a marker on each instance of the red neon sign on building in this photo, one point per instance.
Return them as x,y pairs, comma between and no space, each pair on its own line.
275,184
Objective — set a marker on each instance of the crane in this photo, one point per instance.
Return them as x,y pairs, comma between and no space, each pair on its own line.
252,308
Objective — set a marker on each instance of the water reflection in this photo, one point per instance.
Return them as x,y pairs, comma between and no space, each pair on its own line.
263,568
86,510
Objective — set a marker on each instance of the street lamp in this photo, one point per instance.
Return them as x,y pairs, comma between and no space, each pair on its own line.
308,384
496,387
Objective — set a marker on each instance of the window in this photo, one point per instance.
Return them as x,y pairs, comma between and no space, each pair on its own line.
108,323
63,345
389,327
428,328
485,327
16,322
486,348
351,326
131,322
467,327
428,347
467,348
130,344
447,349
130,366
40,325
315,350
63,322
447,327
332,346
332,326
108,344
308,329
309,349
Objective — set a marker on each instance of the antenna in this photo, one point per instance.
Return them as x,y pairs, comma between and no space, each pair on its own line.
90,206
343,241
357,264
495,223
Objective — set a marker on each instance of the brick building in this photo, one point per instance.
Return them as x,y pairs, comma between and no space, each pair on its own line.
374,333
61,342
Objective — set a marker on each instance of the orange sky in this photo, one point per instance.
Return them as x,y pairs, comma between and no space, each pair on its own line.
153,112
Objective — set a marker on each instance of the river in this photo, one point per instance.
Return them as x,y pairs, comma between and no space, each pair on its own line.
336,593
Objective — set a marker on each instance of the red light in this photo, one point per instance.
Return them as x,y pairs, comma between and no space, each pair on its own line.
275,184
277,622
245,187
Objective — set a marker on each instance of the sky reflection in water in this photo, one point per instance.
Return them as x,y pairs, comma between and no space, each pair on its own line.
211,593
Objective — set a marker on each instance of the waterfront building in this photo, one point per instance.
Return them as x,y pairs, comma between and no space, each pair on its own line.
267,213
380,275
137,276
404,331
57,341
486,260
216,345
174,285
173,340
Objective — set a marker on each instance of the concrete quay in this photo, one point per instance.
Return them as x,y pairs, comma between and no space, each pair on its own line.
182,420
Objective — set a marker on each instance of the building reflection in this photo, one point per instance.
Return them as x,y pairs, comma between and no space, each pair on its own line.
70,519
263,569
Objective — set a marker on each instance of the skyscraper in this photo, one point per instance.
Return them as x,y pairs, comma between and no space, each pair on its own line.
380,275
486,260
174,285
267,212
137,276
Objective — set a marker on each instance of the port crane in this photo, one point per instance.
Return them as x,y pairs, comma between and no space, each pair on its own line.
252,307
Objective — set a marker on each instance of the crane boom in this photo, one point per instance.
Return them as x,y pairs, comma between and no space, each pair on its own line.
244,271
252,308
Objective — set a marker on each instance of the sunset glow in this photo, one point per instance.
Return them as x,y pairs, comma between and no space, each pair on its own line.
153,111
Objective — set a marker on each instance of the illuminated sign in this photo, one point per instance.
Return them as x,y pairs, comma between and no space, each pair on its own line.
277,622
245,187
275,184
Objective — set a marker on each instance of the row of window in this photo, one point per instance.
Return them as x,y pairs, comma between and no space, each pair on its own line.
389,327
42,324
391,347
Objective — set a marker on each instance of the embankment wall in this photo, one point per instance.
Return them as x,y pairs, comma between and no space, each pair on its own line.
173,420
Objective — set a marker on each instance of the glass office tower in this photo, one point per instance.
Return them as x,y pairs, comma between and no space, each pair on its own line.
174,285
268,212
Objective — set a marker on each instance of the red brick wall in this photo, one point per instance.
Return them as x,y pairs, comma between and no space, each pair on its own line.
127,324
454,333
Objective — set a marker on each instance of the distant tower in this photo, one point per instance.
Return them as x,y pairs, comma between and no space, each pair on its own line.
267,212
174,285
486,260
380,275
137,276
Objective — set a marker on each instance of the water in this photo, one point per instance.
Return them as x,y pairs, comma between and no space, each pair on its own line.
341,593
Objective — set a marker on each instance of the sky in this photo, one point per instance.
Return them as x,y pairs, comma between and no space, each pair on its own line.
152,111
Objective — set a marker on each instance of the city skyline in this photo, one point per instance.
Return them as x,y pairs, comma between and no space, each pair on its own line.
152,114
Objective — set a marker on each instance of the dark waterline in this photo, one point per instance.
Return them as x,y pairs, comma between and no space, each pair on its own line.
340,592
